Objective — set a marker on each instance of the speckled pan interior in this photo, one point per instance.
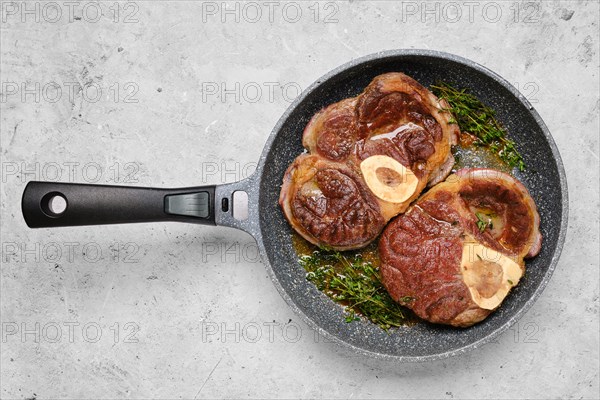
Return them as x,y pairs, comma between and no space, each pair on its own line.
544,178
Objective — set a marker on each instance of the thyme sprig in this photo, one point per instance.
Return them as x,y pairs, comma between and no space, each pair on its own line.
479,120
355,283
484,223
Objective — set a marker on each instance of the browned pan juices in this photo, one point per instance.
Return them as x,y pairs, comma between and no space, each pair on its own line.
368,254
469,155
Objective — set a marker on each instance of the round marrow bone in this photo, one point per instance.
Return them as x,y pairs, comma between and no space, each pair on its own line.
388,179
488,274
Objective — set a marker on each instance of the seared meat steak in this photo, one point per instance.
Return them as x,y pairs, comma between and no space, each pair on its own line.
455,254
370,157
331,203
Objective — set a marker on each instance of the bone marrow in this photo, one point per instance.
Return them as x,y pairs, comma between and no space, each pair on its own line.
488,274
389,180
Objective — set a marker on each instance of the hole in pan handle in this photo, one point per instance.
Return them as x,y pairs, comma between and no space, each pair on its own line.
51,204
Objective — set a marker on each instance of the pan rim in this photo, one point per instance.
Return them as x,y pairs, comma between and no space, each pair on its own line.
433,54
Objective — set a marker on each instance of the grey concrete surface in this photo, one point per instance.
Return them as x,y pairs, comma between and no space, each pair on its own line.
177,93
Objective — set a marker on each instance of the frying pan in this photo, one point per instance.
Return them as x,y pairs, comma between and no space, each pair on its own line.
544,177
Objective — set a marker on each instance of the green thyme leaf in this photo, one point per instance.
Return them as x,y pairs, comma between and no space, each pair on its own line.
484,223
356,283
479,120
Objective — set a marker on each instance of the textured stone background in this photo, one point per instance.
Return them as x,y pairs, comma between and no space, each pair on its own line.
176,93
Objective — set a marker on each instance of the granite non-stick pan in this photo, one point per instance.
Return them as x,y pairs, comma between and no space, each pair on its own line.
544,177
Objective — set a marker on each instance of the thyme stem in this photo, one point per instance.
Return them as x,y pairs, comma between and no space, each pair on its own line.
479,120
356,283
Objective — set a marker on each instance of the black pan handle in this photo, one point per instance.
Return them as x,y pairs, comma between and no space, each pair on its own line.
103,204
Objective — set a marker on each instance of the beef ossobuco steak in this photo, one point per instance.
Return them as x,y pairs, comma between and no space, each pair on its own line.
369,157
455,254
